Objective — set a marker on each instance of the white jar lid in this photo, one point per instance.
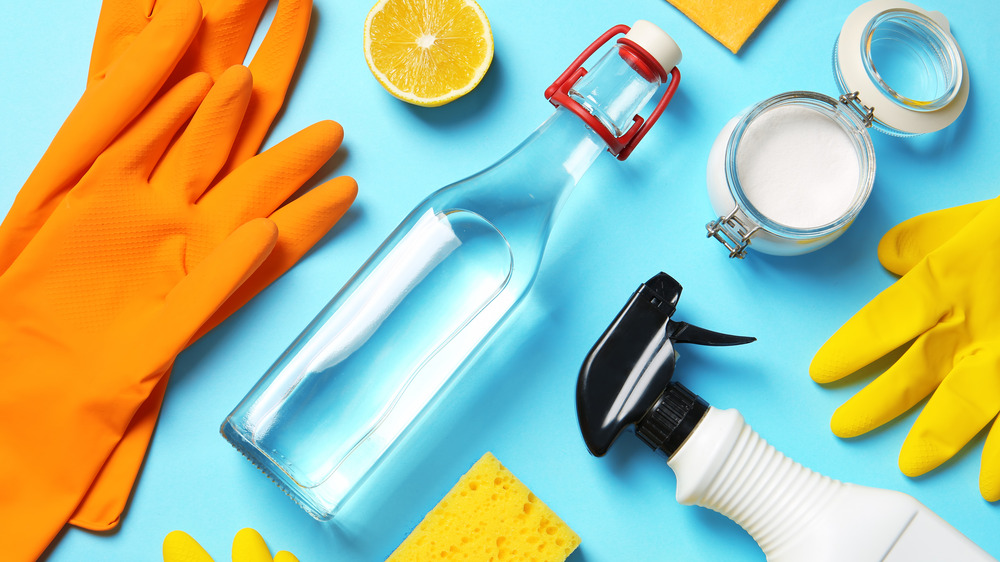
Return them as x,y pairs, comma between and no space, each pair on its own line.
656,42
851,47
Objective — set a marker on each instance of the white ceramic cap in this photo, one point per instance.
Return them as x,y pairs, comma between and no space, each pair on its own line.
656,42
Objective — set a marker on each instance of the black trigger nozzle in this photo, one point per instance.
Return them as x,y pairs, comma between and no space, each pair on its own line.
631,365
689,333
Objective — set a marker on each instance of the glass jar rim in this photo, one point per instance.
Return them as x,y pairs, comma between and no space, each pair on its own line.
832,109
927,33
890,115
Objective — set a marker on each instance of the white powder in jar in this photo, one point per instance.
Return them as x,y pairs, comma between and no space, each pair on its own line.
798,167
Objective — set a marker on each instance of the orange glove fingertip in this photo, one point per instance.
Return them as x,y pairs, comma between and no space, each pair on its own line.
328,133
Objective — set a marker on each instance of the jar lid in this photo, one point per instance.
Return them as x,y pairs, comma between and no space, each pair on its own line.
904,64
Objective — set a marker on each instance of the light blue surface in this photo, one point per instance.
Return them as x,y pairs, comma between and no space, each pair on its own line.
625,222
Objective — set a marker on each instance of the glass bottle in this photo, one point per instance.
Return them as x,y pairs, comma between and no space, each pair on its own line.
361,374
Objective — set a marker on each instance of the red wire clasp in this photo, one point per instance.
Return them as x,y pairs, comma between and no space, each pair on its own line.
643,62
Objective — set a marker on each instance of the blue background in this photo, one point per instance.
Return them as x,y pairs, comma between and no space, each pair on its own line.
625,222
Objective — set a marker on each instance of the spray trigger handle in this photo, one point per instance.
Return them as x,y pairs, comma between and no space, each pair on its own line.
631,365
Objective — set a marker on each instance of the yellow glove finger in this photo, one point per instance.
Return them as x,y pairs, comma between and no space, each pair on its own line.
967,400
898,314
178,546
989,472
301,223
910,241
249,546
201,150
908,381
264,182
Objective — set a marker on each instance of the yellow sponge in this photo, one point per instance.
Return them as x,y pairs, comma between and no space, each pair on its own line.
731,22
489,515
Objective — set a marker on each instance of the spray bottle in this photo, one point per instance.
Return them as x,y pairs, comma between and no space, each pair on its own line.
793,513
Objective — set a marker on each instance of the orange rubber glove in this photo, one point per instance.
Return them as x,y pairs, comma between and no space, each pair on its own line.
139,45
110,102
128,30
130,265
222,41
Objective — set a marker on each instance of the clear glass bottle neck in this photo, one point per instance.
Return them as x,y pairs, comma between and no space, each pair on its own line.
616,89
529,185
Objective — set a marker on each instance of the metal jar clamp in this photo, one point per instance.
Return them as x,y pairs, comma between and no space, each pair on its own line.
732,233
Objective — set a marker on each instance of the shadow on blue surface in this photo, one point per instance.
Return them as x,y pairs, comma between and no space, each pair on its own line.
468,107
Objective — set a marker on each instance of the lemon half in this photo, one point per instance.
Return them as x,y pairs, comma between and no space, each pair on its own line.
428,52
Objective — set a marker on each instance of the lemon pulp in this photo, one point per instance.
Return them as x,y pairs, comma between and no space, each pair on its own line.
428,52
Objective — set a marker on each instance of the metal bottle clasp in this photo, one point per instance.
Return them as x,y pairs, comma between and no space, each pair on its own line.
867,114
732,233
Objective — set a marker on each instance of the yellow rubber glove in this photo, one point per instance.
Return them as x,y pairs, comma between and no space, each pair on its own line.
131,264
947,303
222,41
910,241
248,546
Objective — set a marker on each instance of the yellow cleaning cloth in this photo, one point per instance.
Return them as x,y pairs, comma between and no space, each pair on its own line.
730,22
489,515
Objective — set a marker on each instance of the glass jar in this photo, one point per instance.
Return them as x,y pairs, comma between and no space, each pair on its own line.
791,173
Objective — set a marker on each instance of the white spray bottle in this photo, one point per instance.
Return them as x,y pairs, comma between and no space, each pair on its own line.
794,514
